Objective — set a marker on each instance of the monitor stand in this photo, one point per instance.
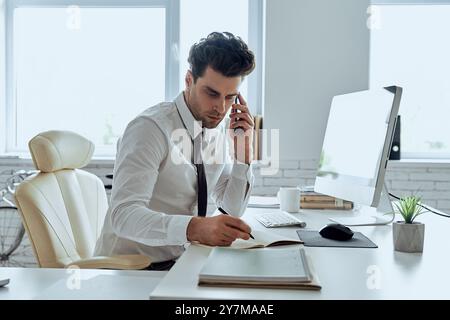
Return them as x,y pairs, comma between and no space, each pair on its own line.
369,216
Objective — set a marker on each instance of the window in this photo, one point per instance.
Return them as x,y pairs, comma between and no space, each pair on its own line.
409,48
91,66
233,17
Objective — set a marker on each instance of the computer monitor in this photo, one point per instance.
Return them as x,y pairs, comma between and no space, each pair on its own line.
357,143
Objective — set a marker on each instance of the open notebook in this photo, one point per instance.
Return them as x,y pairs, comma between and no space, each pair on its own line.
287,268
262,240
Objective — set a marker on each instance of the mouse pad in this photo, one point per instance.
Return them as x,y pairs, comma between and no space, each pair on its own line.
314,239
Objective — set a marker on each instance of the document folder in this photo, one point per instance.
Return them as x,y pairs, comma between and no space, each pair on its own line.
287,268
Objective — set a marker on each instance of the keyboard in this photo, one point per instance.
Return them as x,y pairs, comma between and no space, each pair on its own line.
279,219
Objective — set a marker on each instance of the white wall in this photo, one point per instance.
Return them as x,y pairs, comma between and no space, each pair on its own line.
315,49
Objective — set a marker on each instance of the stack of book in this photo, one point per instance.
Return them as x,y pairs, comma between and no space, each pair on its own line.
314,200
284,268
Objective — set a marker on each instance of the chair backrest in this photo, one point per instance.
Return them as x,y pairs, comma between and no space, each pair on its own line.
62,207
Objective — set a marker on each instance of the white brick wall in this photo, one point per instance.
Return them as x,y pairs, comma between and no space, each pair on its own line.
430,180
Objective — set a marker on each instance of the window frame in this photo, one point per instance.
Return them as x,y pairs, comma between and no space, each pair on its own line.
8,145
413,155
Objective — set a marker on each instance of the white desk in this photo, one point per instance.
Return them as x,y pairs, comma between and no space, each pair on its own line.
345,273
35,283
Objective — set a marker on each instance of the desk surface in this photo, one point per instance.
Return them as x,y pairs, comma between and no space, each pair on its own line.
61,284
344,273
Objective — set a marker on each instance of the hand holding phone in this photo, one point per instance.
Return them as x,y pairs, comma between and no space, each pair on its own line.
243,125
237,130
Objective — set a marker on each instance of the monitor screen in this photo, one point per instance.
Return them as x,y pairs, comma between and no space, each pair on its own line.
356,144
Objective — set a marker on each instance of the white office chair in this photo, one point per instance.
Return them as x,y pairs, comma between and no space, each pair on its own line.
63,207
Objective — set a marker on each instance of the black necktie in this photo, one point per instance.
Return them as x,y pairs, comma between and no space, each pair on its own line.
202,188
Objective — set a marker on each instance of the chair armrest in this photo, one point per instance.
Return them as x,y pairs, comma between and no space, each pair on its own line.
120,262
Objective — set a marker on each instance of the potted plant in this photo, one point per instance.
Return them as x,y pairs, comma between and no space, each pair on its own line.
408,234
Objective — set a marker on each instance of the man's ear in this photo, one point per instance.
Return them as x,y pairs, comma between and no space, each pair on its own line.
189,79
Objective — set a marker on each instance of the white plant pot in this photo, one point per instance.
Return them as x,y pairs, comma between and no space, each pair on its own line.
408,237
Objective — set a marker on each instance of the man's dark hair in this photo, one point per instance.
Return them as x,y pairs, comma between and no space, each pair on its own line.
224,53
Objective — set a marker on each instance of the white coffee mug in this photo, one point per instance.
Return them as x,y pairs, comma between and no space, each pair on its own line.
289,199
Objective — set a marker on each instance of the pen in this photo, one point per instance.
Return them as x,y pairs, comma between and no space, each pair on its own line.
224,212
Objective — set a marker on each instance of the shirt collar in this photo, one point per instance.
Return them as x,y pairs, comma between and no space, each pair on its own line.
194,127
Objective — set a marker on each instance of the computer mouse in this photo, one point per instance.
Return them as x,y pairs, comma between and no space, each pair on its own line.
336,231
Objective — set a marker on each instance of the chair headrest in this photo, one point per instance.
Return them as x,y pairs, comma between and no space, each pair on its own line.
55,150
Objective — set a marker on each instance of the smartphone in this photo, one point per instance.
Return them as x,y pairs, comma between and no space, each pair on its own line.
238,130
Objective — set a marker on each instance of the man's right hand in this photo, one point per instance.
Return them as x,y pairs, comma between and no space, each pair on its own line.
219,230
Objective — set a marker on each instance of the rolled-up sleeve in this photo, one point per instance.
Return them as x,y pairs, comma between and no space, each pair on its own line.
142,149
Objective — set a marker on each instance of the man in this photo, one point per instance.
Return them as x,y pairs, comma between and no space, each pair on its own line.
160,192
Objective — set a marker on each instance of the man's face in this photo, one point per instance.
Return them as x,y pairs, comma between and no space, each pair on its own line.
211,96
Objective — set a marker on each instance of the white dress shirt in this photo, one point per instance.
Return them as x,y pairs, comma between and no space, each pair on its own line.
154,194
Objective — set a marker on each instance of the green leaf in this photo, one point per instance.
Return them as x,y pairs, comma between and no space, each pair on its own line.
409,207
